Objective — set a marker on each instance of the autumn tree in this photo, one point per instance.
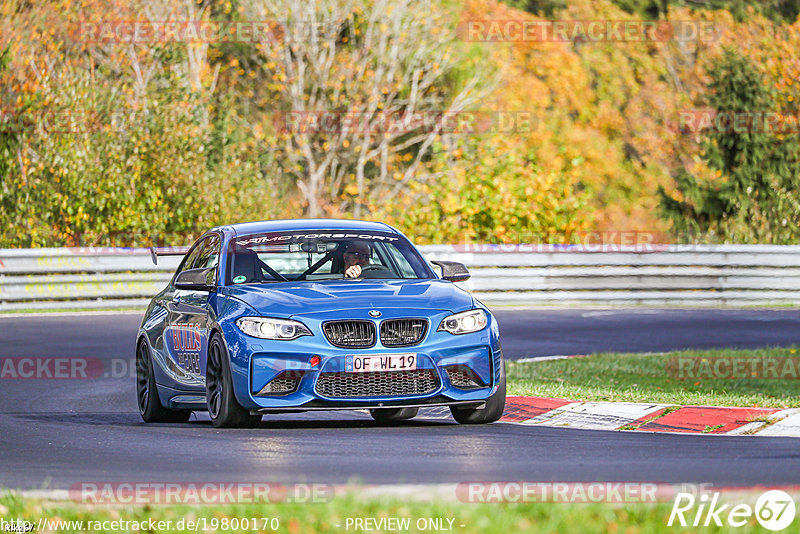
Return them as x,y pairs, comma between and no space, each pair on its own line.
756,195
375,68
491,189
155,148
778,10
8,144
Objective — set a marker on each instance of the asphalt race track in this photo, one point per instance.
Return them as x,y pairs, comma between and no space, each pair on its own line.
547,333
55,433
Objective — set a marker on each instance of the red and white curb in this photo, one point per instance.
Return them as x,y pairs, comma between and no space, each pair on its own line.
649,417
594,415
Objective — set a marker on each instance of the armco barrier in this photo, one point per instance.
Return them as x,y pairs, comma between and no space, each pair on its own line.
520,275
81,278
665,275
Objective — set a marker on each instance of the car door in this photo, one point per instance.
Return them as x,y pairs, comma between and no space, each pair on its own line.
187,317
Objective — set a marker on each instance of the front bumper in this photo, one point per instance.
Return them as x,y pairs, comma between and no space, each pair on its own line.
325,406
256,363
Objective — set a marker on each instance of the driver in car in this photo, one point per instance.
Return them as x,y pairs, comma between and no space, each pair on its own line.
356,255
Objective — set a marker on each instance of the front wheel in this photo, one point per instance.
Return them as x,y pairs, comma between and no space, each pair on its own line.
150,407
223,408
389,415
491,412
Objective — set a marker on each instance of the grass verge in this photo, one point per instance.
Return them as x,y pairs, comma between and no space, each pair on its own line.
656,378
332,516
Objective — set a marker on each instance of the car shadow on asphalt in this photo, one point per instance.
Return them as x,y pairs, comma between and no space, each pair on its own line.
295,421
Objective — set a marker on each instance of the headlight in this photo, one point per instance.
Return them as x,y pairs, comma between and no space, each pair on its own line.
465,322
268,328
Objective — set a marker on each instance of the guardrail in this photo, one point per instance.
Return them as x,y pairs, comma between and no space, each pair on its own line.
521,275
660,275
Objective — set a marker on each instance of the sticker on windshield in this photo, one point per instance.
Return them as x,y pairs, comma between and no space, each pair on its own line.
239,279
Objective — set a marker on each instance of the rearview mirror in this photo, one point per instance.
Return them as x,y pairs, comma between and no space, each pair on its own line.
452,270
318,247
196,279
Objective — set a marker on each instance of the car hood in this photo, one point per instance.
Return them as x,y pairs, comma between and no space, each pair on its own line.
284,299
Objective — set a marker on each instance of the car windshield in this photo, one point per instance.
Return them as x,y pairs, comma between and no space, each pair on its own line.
322,255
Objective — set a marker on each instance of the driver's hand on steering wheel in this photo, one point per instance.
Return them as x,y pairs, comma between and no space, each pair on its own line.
354,271
355,256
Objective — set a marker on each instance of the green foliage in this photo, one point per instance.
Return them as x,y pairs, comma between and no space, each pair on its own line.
127,172
530,515
777,10
756,197
489,191
183,136
546,8
8,144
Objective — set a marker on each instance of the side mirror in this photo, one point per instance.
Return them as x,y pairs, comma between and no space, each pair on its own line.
453,271
196,279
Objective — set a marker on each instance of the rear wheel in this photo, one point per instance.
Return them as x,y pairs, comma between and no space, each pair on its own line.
150,407
388,415
223,408
491,412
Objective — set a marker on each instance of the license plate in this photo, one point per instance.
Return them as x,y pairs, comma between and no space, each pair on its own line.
370,363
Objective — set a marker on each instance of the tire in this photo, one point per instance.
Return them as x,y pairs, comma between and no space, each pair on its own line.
224,410
150,407
389,415
489,414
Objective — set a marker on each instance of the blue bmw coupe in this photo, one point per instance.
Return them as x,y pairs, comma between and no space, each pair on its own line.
300,315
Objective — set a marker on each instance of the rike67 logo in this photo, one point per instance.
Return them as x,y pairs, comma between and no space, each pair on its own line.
774,510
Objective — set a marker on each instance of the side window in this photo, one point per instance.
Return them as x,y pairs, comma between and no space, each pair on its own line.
204,253
191,258
405,269
209,256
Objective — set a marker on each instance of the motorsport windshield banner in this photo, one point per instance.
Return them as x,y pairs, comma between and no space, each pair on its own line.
288,237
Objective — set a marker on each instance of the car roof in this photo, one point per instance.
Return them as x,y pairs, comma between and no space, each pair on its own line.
308,225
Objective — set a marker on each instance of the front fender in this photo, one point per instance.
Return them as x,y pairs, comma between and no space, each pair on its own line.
235,345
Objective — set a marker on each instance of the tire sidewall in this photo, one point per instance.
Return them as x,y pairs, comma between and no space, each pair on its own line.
154,411
231,413
493,410
150,411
